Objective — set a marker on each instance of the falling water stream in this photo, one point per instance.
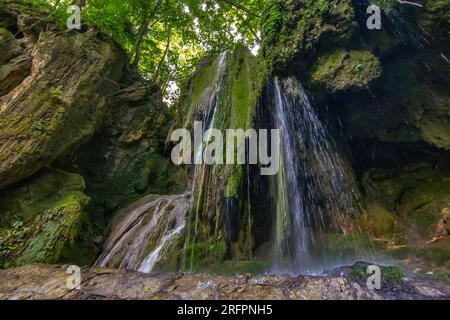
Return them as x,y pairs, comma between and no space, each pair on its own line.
142,231
200,170
314,188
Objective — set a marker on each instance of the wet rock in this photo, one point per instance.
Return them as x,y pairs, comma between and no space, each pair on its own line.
406,102
226,89
147,235
126,159
49,282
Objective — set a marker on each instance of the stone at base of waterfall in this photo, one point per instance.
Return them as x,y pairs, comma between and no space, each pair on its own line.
50,282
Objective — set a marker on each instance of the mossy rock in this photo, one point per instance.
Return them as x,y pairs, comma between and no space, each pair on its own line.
416,193
60,107
436,254
338,246
7,45
294,30
389,274
241,76
40,219
341,70
232,267
378,221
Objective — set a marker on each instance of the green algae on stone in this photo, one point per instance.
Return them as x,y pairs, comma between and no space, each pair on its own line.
302,28
218,187
378,221
342,70
389,274
40,219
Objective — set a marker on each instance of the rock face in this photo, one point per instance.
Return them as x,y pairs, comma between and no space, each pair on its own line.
221,94
49,282
127,158
60,102
147,235
404,65
42,222
385,95
81,135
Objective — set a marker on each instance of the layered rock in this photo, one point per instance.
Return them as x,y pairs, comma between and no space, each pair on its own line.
59,104
127,158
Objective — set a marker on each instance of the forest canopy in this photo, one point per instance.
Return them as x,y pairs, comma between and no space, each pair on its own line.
165,39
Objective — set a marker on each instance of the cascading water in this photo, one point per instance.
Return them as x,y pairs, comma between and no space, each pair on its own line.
200,169
143,231
314,189
154,225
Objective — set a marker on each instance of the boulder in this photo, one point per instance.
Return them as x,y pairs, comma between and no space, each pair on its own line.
41,219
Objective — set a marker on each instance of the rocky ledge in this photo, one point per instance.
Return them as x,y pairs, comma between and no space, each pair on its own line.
49,282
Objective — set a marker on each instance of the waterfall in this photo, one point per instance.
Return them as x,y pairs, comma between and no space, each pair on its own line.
314,189
149,262
312,194
200,169
144,230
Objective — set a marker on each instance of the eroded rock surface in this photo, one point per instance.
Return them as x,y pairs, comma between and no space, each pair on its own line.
49,282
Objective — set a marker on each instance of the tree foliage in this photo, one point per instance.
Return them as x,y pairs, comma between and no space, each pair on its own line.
167,38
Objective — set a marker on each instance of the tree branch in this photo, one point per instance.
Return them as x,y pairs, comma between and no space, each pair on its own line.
240,7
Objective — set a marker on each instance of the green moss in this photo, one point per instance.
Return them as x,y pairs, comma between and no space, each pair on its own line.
378,221
41,219
389,274
55,93
233,267
202,257
242,79
5,33
202,80
442,275
340,245
434,254
417,193
233,181
294,30
430,254
426,221
341,70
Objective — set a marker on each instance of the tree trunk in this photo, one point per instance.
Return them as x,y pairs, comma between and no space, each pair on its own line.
160,64
142,31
